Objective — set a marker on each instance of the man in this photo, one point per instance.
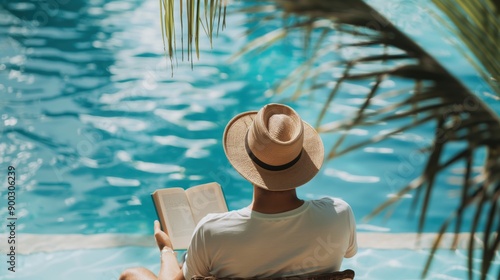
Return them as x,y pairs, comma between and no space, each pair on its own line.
278,234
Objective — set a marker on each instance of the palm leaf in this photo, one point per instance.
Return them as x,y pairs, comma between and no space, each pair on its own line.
477,24
194,12
437,97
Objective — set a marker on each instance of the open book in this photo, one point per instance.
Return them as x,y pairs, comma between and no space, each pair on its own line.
180,210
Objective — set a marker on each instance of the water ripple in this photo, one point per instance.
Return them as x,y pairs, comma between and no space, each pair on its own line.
175,141
152,167
114,124
178,118
123,182
345,176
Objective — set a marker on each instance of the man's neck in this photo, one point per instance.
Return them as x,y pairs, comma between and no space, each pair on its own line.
272,202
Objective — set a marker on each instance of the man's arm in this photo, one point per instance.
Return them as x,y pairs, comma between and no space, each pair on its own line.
169,269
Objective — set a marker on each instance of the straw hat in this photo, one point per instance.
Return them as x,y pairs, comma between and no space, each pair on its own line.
273,148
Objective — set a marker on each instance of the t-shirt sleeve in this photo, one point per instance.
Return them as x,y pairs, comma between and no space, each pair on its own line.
197,261
353,243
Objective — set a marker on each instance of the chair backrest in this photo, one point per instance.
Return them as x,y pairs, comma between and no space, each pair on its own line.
347,274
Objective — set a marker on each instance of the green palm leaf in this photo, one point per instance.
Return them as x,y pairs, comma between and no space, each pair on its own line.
191,12
477,24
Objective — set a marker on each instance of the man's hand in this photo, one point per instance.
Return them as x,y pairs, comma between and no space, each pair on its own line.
162,238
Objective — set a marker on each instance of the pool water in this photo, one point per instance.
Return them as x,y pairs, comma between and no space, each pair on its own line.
93,123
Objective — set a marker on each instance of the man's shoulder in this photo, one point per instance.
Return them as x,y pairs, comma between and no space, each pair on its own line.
334,203
218,219
219,216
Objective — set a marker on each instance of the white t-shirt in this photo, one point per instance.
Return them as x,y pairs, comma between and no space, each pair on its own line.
313,238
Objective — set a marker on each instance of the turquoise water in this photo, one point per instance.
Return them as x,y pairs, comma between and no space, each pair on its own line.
93,121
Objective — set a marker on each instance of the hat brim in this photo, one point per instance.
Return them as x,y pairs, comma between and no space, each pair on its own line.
300,173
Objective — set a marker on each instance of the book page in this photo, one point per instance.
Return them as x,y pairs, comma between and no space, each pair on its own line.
205,199
179,220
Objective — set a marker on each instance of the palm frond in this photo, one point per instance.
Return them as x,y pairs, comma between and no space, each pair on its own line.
437,98
192,14
477,24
